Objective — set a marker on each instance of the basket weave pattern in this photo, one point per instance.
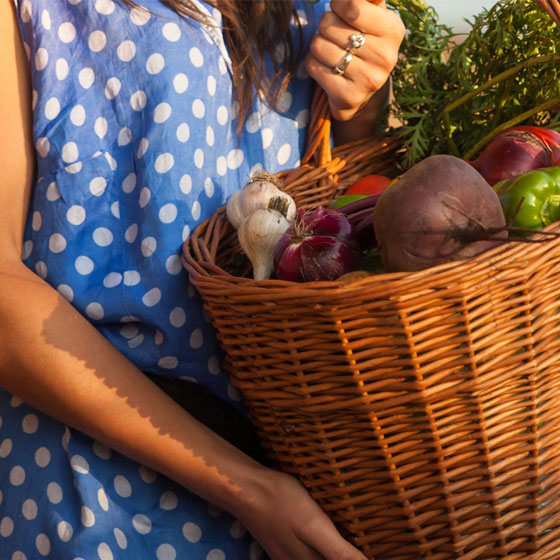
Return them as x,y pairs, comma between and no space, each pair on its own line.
421,410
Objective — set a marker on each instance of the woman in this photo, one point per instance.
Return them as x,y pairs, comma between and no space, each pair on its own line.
123,127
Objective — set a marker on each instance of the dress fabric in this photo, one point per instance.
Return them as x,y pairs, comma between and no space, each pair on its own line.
134,129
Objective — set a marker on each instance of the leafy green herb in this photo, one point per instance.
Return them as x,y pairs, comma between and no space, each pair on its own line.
455,92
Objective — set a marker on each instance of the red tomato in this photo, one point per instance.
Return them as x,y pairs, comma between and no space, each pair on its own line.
370,184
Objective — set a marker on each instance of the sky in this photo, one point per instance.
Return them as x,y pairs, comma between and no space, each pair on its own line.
452,12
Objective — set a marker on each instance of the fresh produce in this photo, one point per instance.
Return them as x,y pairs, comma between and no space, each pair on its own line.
370,184
360,214
531,200
345,199
513,153
320,244
439,210
259,234
255,195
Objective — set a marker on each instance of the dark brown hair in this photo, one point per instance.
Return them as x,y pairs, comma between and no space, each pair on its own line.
253,30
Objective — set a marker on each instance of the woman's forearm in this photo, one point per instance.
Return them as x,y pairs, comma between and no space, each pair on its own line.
364,123
56,361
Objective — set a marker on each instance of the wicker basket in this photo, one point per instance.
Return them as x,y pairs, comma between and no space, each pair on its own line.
421,410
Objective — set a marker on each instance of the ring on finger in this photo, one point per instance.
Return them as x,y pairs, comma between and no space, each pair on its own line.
340,68
356,40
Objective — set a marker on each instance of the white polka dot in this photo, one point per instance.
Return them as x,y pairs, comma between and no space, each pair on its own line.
284,154
125,136
233,393
30,423
88,517
41,58
199,158
285,102
195,210
52,192
142,524
74,167
197,339
41,269
101,450
84,265
255,551
6,526
155,63
168,501
131,278
29,509
18,555
42,457
104,552
122,486
222,65
168,213
158,337
173,264
25,11
171,32
196,57
129,331
79,464
95,311
100,127
177,317
183,132
138,100
27,249
70,152
43,146
235,158
136,341
145,196
222,114
115,209
147,475
112,279
102,236
62,68
86,77
151,297
36,221
102,499
131,232
139,16
5,448
129,183
126,51
54,493
166,552
164,162
253,122
267,137
52,108
209,187
181,83
216,554
17,475
221,165
112,88
66,438
43,544
97,186
46,19
210,136
162,112
142,147
120,537
65,531
66,292
105,7
214,365
198,108
302,118
66,32
78,115
76,215
97,41
192,532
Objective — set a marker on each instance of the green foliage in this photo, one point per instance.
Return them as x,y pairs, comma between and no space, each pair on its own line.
454,92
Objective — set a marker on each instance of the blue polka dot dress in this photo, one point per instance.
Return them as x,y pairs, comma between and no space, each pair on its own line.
134,124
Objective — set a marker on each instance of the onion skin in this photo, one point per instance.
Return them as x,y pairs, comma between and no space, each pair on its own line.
512,153
321,244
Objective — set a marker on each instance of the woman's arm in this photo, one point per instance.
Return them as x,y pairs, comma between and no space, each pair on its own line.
54,359
359,95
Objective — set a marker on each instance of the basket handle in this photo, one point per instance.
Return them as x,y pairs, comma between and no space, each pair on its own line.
552,7
318,146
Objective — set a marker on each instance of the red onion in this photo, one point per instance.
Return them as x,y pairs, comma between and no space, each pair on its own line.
321,244
512,153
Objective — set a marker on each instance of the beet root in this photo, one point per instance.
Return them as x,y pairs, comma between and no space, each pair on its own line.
440,210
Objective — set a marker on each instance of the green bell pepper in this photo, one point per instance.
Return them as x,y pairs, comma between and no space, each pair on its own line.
534,195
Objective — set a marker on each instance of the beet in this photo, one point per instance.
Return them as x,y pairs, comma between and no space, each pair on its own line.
440,210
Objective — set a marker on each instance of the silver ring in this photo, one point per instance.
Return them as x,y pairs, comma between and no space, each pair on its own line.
356,40
340,68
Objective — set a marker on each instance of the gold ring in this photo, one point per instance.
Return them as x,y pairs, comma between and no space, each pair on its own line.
340,68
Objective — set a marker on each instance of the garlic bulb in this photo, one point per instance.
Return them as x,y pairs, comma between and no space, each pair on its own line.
259,234
256,195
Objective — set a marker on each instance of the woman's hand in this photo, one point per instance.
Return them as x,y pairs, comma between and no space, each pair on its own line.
368,66
289,524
